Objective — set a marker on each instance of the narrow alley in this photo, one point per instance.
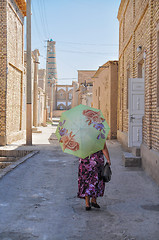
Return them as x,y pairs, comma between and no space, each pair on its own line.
38,199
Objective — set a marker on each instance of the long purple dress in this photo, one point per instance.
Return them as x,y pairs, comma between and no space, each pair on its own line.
89,180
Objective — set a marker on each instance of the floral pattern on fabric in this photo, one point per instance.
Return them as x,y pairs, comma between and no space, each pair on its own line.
67,138
89,176
69,142
94,118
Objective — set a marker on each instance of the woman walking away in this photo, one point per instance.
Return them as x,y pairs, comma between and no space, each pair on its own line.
90,183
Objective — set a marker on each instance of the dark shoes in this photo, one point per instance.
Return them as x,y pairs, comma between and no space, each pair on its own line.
88,208
95,205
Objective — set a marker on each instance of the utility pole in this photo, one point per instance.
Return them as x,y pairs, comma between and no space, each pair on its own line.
28,85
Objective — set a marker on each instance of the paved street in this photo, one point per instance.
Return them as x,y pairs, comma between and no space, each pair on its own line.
38,199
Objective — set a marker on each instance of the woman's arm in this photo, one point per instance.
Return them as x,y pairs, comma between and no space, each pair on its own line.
106,153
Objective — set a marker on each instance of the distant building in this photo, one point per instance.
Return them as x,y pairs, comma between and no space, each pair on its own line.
85,86
41,107
42,78
42,97
105,94
36,55
85,95
85,76
12,100
25,82
75,92
38,81
59,96
64,97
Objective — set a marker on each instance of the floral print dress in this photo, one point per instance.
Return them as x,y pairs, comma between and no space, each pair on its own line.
89,176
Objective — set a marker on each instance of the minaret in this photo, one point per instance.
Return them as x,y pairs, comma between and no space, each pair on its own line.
51,76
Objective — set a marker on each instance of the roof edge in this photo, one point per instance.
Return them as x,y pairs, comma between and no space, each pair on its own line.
22,6
120,9
105,65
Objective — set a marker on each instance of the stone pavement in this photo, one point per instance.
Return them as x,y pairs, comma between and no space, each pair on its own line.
38,198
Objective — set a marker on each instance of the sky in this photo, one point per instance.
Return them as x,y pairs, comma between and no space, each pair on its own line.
86,34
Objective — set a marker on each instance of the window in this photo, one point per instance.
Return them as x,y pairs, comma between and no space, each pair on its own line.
141,69
70,95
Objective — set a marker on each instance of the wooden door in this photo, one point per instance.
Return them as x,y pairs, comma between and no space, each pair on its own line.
136,111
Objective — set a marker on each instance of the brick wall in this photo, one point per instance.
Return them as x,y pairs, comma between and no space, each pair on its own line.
42,78
15,56
41,105
143,31
105,85
133,31
75,92
3,70
85,76
14,101
11,65
155,78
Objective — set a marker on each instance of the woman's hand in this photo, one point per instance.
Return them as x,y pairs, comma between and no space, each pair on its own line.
109,162
106,154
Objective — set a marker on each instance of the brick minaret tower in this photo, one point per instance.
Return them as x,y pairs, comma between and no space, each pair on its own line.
51,76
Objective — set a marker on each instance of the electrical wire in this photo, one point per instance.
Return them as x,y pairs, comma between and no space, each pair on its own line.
98,53
66,78
90,44
45,31
42,18
36,24
45,18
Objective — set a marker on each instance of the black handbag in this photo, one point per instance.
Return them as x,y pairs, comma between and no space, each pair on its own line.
106,173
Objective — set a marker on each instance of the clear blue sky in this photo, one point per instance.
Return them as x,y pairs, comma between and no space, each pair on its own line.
86,33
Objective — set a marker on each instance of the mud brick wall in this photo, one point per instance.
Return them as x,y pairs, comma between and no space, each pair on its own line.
3,68
105,85
12,68
139,26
